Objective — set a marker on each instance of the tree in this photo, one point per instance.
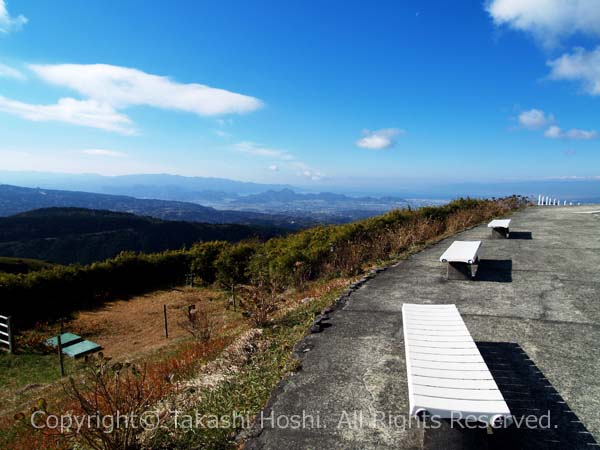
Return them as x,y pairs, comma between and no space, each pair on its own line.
232,266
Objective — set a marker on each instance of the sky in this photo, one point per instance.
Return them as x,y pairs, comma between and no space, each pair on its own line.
303,92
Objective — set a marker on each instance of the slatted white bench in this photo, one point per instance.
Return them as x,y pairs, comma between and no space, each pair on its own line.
500,228
447,376
461,256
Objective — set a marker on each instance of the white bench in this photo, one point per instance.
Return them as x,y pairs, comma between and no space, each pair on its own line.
447,376
461,256
499,228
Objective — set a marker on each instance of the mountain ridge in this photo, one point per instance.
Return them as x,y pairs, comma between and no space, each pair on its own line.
16,199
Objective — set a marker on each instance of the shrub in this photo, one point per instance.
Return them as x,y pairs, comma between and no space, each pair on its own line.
112,395
199,322
259,302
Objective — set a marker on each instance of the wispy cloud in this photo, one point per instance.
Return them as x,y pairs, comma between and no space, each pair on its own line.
9,23
379,139
122,87
555,132
548,21
286,160
580,65
11,72
104,152
89,113
534,118
306,171
253,148
108,89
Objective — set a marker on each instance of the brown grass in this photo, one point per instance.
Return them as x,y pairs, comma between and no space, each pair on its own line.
132,328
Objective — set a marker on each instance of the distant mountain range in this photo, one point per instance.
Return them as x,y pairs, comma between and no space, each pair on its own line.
155,186
221,193
14,199
217,193
77,235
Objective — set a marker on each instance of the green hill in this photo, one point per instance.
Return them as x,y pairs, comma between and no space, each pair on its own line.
77,235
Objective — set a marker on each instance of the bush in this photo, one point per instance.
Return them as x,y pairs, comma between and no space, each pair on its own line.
203,260
200,323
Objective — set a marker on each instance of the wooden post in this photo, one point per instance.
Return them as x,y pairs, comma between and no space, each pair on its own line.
166,324
60,353
11,335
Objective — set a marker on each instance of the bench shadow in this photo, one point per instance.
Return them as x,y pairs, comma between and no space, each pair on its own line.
528,393
497,270
526,235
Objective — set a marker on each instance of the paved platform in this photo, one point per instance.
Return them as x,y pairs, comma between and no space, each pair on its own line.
533,310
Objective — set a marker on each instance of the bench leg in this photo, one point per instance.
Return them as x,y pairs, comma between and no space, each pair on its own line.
499,233
459,271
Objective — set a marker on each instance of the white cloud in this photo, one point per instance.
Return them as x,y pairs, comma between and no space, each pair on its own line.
535,118
122,87
581,134
108,89
89,113
274,167
547,20
104,152
379,139
253,148
554,132
581,65
8,23
10,72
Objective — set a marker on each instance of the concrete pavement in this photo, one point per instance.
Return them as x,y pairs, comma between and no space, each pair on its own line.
534,311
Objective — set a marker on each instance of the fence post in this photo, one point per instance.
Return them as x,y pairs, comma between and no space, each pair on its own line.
166,323
60,353
11,336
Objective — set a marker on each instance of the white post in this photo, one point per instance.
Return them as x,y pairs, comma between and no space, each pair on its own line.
539,199
565,203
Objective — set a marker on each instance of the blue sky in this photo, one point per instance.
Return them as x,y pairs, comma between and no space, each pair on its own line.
307,93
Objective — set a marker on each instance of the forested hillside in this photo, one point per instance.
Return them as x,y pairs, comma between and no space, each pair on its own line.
77,235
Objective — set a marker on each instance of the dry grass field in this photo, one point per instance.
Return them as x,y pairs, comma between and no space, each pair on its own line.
129,329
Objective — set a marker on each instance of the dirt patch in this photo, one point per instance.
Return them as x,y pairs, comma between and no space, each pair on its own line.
131,328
